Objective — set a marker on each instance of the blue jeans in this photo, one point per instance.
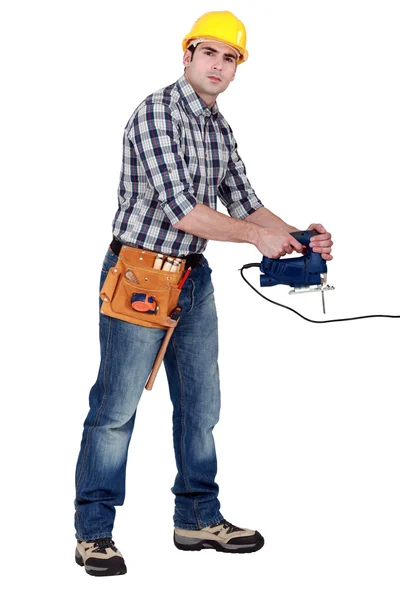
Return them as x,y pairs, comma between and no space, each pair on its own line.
127,355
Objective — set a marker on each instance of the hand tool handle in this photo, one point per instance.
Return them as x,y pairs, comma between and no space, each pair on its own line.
159,359
174,316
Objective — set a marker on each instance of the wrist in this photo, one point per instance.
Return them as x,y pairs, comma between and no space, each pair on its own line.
252,233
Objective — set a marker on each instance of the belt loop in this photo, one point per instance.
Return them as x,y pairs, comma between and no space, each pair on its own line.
116,246
192,260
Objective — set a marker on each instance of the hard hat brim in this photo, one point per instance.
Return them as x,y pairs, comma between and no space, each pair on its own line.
244,55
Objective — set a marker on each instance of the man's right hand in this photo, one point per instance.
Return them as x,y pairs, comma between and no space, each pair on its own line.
275,243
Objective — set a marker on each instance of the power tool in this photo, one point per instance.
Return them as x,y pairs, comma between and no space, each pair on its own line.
307,273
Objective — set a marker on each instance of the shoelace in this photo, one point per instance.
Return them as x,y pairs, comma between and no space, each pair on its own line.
105,543
231,528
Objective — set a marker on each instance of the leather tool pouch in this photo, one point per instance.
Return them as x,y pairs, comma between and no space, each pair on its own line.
118,290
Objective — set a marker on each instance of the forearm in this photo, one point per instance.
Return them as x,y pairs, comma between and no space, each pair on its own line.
213,225
265,218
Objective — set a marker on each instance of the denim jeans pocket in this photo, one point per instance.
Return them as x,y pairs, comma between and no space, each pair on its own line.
110,260
204,263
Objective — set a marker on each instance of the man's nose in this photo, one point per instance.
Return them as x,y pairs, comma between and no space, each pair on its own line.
218,63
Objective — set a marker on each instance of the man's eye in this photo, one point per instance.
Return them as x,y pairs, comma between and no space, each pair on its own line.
209,52
229,59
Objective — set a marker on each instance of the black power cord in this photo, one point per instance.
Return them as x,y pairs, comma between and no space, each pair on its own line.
250,265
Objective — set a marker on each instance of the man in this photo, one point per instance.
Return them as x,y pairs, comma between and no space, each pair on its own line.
179,156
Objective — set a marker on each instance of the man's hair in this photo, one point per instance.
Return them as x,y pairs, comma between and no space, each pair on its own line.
192,49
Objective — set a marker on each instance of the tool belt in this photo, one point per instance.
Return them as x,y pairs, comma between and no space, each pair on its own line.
136,292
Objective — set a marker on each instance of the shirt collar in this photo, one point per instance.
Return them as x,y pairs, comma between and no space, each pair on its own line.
193,101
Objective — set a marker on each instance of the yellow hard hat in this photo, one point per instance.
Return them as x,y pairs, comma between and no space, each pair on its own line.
221,26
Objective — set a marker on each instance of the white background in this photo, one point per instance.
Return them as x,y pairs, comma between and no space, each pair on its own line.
308,442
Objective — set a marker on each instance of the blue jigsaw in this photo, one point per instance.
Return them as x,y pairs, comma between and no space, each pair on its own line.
307,273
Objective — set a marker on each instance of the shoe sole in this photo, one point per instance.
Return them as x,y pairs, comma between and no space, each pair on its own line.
194,544
114,567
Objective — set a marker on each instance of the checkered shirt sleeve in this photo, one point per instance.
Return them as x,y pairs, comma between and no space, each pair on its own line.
155,138
235,190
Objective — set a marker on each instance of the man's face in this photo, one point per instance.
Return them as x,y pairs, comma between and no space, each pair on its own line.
212,68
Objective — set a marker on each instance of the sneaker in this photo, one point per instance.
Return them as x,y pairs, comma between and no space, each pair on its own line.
100,557
223,537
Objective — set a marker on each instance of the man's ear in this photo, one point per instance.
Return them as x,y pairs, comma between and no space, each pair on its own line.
186,58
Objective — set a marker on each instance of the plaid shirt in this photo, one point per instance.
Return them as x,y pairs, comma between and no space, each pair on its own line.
177,153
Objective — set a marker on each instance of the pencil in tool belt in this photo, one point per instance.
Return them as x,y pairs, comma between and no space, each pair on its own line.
186,275
158,261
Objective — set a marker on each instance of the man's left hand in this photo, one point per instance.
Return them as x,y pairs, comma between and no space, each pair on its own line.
322,242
